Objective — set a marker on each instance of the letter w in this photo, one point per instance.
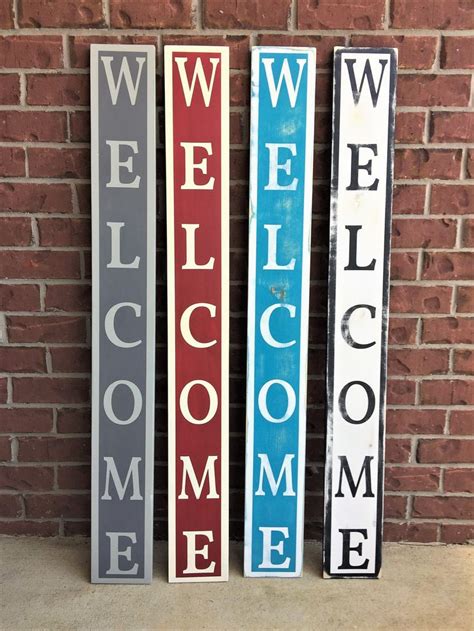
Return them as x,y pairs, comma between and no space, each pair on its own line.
356,91
114,87
285,470
121,488
209,471
285,74
198,74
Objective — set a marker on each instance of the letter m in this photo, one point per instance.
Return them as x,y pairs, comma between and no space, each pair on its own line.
265,469
198,75
285,75
124,73
133,474
209,472
354,486
357,89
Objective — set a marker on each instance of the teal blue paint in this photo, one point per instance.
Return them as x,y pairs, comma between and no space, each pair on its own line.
279,123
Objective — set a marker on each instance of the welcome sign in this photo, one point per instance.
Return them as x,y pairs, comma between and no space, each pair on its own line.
361,189
197,178
281,172
123,311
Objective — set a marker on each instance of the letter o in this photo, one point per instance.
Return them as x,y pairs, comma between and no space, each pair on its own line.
262,401
137,402
370,402
183,402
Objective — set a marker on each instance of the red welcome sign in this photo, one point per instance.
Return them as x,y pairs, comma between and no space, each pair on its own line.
197,176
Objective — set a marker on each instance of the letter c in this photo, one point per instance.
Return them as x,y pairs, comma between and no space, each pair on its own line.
185,328
265,325
109,324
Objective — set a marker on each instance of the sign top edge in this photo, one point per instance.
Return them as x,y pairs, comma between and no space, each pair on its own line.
366,49
124,48
283,49
195,49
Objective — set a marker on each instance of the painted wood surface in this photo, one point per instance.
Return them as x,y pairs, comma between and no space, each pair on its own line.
123,311
281,183
197,172
361,197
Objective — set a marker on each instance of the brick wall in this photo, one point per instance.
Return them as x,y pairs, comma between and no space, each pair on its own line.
45,247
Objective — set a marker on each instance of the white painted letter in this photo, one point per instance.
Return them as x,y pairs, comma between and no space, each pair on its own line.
285,470
121,488
116,164
268,548
137,402
209,471
109,323
262,401
286,75
198,74
265,325
115,553
184,407
115,259
190,166
185,328
114,88
274,166
192,552
190,229
272,230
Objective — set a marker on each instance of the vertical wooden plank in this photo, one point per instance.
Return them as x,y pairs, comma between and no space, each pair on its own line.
281,183
197,176
123,311
359,256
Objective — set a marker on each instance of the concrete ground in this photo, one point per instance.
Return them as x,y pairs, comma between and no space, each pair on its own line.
44,584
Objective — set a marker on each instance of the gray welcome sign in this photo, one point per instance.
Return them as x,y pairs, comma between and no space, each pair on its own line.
123,149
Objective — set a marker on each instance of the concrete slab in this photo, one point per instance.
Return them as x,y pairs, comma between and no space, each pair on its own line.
44,584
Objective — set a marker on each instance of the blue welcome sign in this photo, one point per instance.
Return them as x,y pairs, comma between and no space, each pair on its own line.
281,173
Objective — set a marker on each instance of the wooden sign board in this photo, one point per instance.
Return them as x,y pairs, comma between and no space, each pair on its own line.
123,311
281,183
359,255
197,178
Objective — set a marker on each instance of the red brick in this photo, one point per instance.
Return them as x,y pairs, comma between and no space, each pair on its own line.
57,89
468,233
452,200
415,299
19,298
323,90
71,359
26,420
464,362
457,533
79,45
10,506
80,126
151,14
424,233
417,361
456,52
415,421
75,477
431,90
239,89
22,359
408,199
6,15
461,423
29,197
448,392
15,231
447,330
63,163
416,52
82,529
455,14
465,299
60,13
48,328
33,126
403,265
74,421
412,478
53,449
57,505
26,478
409,127
236,128
459,480
397,450
10,89
470,164
259,14
402,330
68,298
395,506
31,51
35,264
3,390
452,126
444,164
448,266
50,390
400,392
238,45
415,532
12,161
345,14
30,528
444,507
64,232
324,45
5,449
